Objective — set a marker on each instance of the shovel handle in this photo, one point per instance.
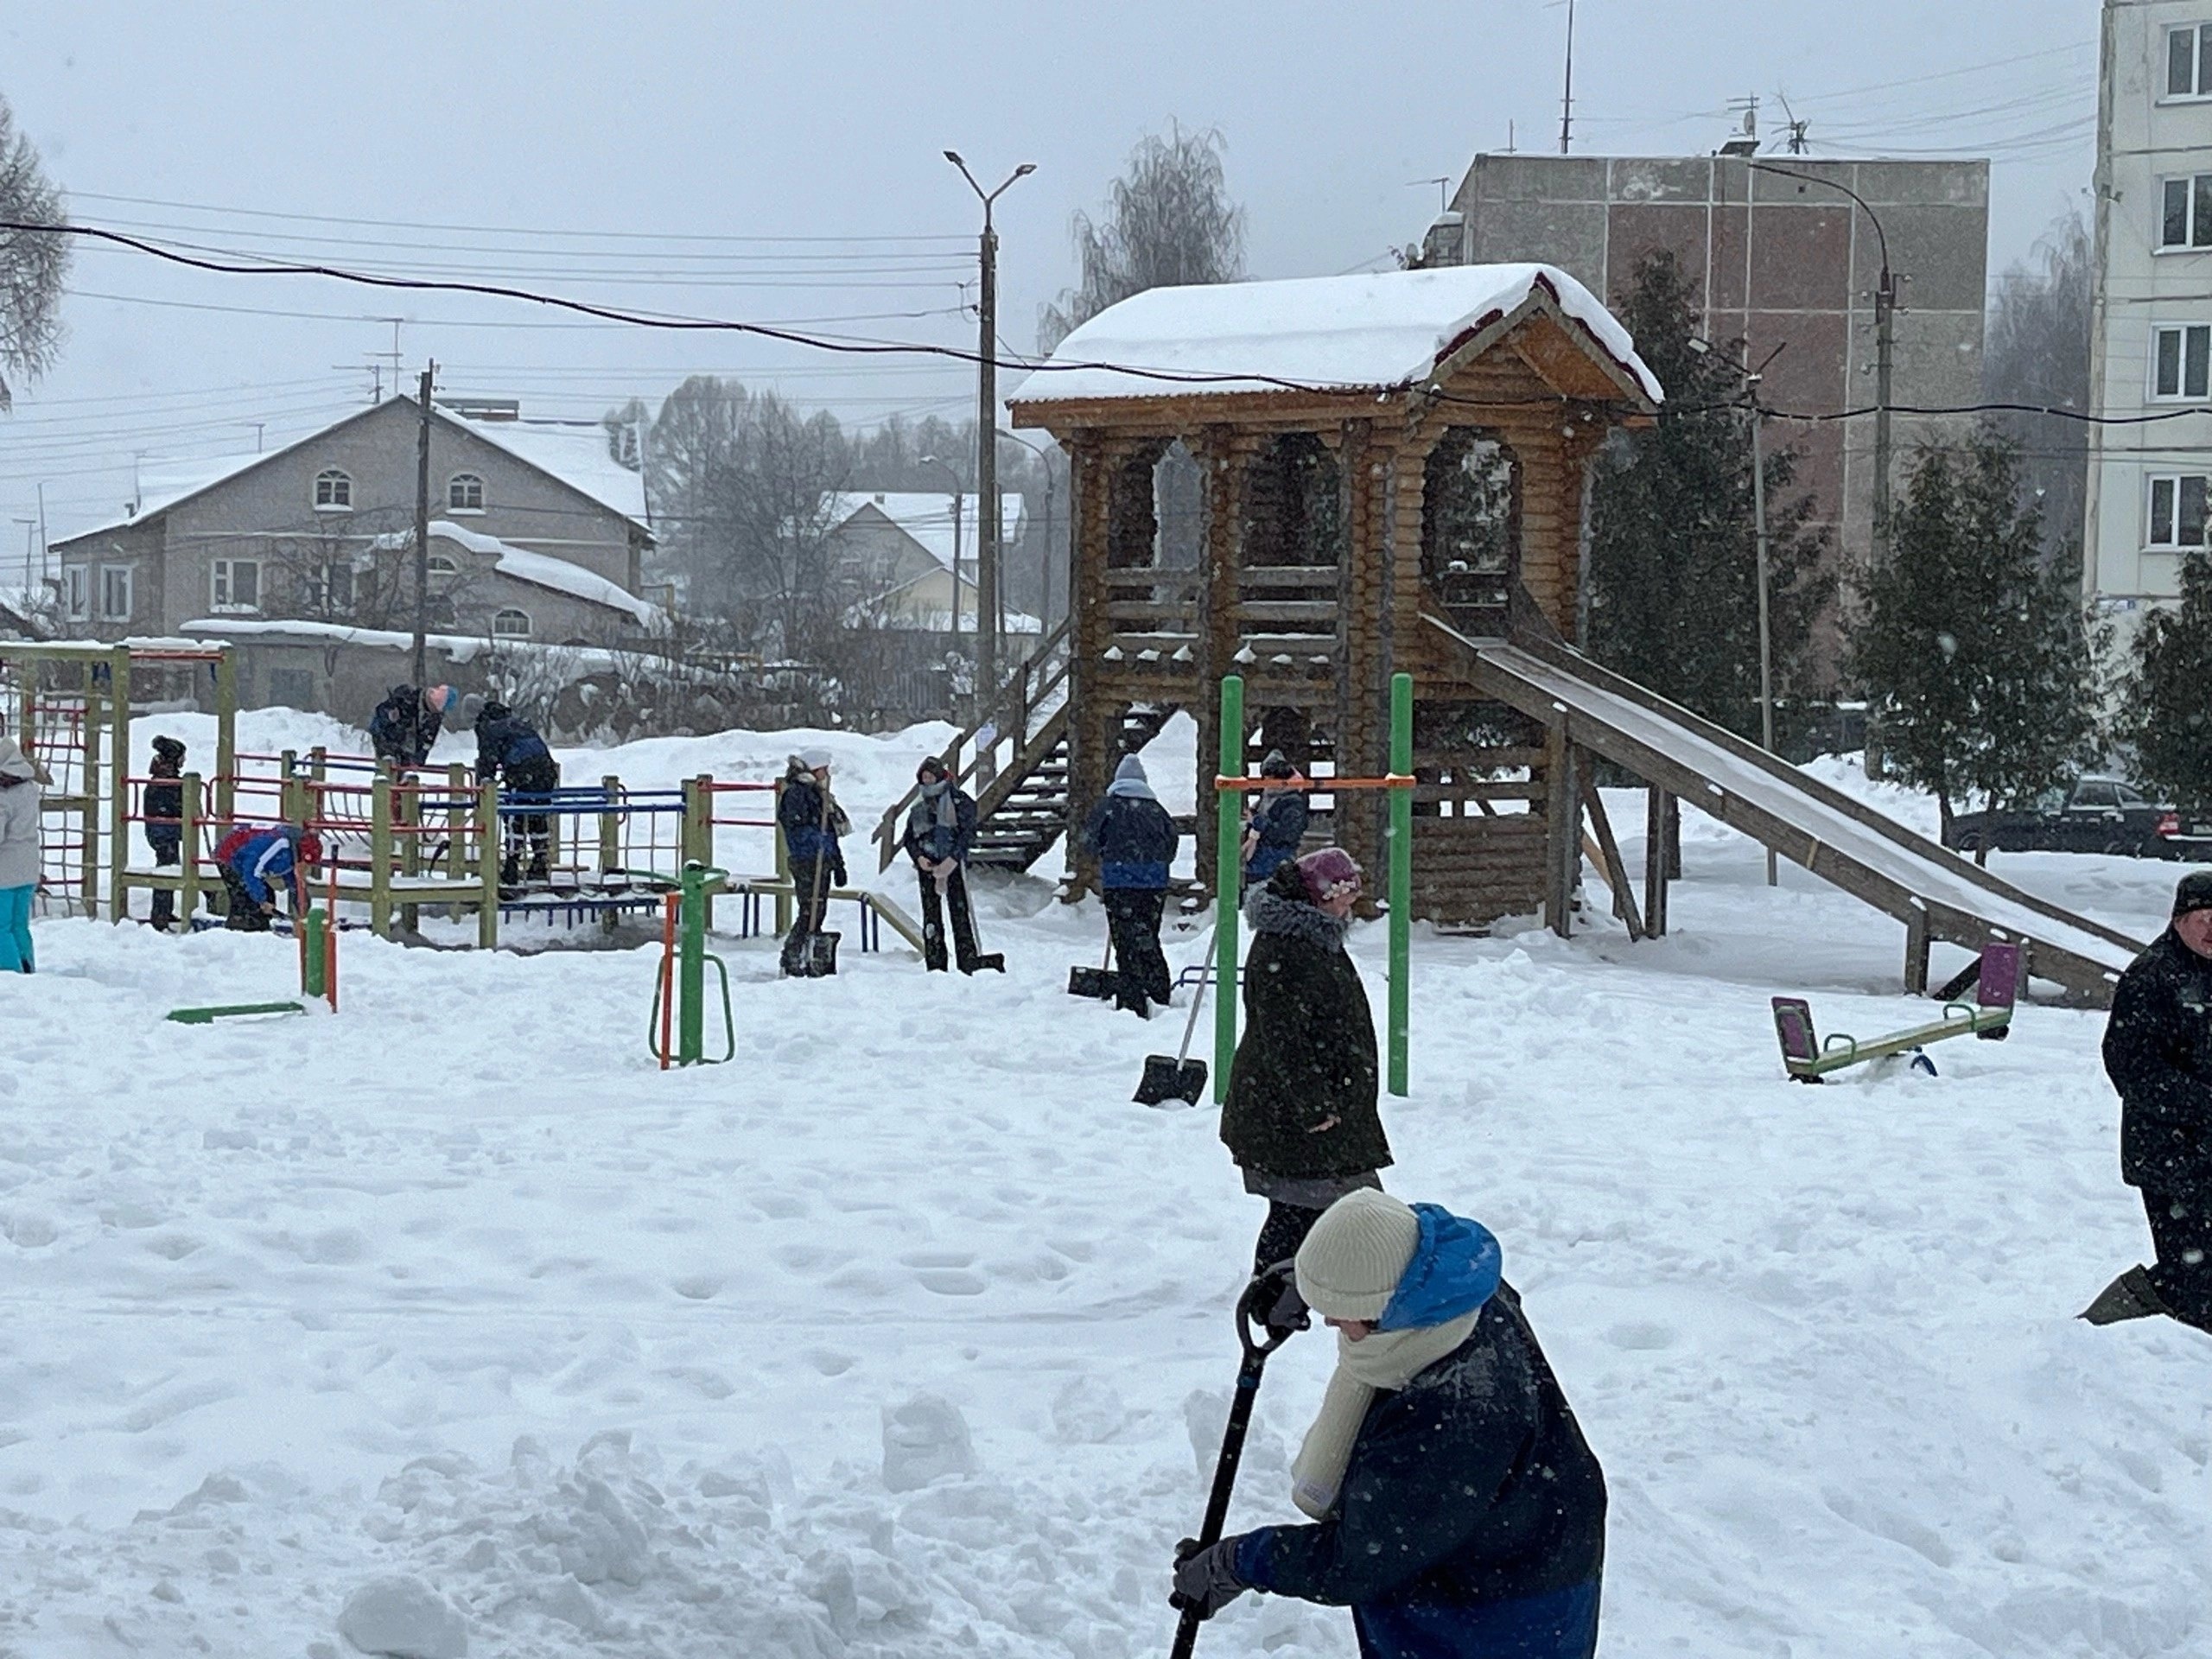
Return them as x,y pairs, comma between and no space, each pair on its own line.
1197,1002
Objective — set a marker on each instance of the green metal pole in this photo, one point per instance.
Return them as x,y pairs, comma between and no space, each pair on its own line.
311,954
1402,877
1228,872
691,966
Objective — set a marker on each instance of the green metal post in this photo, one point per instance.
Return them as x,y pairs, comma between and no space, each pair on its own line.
380,846
488,840
1228,870
691,966
188,850
226,735
1402,877
784,883
311,954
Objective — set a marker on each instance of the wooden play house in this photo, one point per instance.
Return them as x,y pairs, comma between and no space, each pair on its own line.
1296,481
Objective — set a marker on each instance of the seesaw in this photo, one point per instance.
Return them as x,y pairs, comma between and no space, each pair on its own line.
1989,1016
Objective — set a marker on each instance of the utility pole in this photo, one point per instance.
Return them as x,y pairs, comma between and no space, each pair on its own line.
1885,306
987,448
423,532
1766,632
1566,96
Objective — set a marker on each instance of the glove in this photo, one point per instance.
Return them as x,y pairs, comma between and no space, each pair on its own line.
837,873
1205,1578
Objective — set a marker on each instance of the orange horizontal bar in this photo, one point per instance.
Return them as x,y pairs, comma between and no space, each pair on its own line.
1319,785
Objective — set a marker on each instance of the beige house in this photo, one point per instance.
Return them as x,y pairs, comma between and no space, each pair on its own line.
901,546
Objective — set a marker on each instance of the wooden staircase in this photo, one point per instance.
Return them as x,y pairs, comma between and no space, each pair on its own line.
1014,761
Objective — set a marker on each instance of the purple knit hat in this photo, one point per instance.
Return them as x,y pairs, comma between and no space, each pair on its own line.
1328,873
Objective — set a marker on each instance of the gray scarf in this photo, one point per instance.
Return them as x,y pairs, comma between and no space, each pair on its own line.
934,808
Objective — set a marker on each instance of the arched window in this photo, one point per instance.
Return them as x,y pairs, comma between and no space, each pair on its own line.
511,623
333,491
443,568
464,493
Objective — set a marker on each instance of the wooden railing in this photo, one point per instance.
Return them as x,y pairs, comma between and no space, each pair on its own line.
1010,737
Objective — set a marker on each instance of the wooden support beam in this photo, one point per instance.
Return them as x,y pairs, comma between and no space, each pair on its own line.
1916,954
1562,846
1659,807
1609,857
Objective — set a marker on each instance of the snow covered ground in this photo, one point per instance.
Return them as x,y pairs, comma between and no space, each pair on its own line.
908,1333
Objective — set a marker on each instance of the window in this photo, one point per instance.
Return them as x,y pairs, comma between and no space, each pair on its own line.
115,593
2129,799
511,623
235,585
2180,359
2177,511
2188,61
333,491
78,580
2187,220
2096,797
464,494
443,568
292,688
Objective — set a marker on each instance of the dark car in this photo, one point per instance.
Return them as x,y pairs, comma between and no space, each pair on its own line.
2097,815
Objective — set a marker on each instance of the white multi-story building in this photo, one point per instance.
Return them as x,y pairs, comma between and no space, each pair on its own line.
2151,341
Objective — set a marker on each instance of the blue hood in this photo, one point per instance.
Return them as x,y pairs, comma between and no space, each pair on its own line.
1455,1270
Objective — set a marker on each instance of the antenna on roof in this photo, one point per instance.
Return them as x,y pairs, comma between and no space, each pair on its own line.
1567,93
1747,140
1793,127
1443,184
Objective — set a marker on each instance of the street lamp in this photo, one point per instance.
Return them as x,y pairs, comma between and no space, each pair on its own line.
1045,460
952,473
1751,377
987,397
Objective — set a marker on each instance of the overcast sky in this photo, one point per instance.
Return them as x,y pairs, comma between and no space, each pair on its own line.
690,156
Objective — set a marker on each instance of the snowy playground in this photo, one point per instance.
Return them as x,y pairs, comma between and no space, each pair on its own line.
908,1333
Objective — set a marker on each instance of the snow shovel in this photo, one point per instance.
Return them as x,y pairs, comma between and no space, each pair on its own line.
1099,983
1181,1079
1260,1297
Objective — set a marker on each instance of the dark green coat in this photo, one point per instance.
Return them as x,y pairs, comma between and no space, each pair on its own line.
1308,1049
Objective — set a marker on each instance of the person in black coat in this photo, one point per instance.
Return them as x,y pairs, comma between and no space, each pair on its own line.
510,750
163,805
1300,1118
939,829
813,825
1277,825
1134,841
1458,1509
2158,1051
407,723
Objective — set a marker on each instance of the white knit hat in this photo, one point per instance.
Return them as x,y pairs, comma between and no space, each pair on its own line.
1351,1263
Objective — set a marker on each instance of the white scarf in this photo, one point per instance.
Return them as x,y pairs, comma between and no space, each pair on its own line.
1381,1362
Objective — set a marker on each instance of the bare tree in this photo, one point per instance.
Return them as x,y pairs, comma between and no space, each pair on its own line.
32,263
1168,221
2038,352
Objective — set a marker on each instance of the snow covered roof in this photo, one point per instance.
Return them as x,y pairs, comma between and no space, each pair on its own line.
926,516
562,576
1380,332
577,455
459,647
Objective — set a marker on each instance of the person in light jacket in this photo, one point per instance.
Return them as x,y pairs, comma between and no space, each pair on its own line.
20,857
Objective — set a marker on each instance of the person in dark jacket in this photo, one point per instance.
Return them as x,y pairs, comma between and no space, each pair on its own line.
163,805
1277,825
939,829
1457,1509
509,751
1134,841
2158,1051
813,825
406,724
258,862
1301,1119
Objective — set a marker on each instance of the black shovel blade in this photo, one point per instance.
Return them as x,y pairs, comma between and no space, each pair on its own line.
991,963
1096,982
1165,1079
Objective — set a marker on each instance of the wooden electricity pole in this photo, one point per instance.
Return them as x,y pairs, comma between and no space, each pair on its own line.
423,532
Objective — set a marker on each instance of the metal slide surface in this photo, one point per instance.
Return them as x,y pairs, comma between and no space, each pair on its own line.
1808,822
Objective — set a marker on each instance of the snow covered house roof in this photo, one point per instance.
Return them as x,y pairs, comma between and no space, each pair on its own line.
926,517
460,647
575,456
542,570
1379,332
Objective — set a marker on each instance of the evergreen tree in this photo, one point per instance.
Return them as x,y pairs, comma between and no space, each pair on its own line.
2166,713
1970,645
1674,540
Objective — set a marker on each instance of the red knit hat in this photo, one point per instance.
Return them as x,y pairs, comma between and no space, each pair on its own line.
1328,873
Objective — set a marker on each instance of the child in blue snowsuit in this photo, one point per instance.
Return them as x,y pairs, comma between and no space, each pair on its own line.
1277,825
509,747
258,863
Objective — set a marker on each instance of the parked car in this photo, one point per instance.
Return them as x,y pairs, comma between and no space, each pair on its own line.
2096,815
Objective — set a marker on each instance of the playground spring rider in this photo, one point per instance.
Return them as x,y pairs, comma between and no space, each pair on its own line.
675,1029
